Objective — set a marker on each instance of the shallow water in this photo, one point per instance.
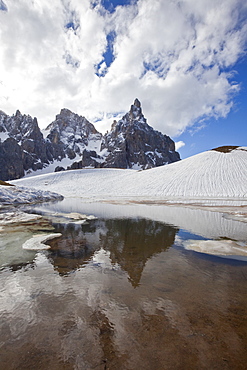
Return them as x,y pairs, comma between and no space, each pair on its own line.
121,292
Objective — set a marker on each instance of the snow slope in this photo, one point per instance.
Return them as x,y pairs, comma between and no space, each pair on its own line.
211,174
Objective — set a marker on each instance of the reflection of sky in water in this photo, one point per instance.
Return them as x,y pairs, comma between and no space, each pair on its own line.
120,293
197,221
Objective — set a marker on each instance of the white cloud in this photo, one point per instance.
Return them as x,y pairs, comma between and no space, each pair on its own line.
169,54
179,144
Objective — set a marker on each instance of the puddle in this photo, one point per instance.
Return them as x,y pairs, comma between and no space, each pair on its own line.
121,292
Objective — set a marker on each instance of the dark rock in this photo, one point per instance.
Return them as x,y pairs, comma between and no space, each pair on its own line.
25,132
59,169
132,143
11,164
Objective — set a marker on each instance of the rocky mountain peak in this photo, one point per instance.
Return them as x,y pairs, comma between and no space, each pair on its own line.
18,113
70,134
137,103
135,113
67,121
132,143
20,126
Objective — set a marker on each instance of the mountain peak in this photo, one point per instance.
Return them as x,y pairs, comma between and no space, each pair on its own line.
132,143
18,113
135,112
137,103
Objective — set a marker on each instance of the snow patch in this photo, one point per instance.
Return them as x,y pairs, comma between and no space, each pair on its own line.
136,166
65,162
217,247
4,136
37,241
17,217
20,195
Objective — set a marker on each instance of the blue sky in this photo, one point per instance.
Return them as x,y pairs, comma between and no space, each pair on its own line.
231,130
185,60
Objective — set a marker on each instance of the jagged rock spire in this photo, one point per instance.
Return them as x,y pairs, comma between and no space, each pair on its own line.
137,103
135,110
132,143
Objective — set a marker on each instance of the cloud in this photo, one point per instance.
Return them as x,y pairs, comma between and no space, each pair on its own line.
179,144
176,56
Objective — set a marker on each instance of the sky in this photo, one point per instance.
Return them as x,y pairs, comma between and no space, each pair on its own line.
185,60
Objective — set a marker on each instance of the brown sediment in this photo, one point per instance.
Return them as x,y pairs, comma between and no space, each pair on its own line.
5,183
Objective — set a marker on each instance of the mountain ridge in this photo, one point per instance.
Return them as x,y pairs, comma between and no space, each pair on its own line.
72,142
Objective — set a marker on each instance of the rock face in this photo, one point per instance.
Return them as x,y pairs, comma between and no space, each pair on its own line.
74,137
72,142
22,146
24,149
132,143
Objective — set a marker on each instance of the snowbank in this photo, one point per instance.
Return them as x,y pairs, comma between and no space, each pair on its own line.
37,241
211,174
17,217
20,195
217,247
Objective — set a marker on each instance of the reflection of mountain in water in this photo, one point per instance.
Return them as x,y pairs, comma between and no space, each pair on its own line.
131,242
74,248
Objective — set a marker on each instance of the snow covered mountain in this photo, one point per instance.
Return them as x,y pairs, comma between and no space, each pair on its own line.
131,142
72,142
74,137
219,173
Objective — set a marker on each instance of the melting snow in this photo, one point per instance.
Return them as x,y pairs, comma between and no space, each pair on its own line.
37,241
216,247
210,174
20,195
10,218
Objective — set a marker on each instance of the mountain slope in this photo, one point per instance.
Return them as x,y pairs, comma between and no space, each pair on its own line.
212,174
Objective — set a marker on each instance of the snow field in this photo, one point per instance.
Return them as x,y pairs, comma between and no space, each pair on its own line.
210,174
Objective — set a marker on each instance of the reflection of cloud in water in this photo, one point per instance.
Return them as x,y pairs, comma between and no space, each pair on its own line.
185,313
201,222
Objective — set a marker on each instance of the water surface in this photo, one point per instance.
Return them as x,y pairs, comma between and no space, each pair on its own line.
121,292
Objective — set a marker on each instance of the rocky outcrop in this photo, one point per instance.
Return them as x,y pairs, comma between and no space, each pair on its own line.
132,143
11,163
22,146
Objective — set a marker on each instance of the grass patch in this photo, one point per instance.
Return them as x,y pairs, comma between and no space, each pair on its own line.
225,149
5,183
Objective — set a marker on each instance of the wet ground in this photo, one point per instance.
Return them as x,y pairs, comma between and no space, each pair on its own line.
123,293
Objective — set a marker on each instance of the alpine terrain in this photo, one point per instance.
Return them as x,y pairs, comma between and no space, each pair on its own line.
72,142
218,173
